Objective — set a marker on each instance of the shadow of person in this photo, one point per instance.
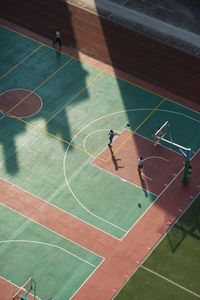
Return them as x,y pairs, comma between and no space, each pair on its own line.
114,159
143,184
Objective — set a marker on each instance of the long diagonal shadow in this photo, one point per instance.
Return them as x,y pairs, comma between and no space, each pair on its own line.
143,184
114,159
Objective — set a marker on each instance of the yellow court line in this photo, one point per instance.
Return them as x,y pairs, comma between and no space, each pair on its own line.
140,125
56,137
23,60
75,96
23,99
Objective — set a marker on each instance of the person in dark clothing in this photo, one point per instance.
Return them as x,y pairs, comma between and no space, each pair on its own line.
111,135
58,39
140,164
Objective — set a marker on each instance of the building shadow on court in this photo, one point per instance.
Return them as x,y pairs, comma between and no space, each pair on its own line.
43,19
9,148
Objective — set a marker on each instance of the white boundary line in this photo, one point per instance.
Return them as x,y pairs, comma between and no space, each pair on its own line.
153,157
170,281
86,280
49,245
57,207
49,229
158,157
31,93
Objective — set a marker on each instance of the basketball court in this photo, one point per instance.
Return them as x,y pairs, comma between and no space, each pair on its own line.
72,207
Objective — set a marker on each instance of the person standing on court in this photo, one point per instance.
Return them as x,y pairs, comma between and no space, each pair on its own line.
190,171
111,135
58,38
140,164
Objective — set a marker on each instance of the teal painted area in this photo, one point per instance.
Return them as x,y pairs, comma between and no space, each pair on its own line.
13,49
11,138
27,250
68,88
184,125
80,105
93,195
100,107
34,71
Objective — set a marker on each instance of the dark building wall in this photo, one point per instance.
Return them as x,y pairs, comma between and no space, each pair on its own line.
126,50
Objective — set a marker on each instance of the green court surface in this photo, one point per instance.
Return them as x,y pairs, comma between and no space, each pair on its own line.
172,270
49,154
58,265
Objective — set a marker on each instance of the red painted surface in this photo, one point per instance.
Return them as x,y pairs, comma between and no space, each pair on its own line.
55,219
20,103
8,290
160,164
